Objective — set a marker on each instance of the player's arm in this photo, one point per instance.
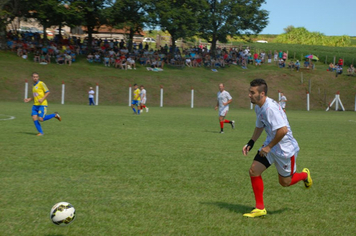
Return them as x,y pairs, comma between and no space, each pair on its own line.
228,102
256,134
217,105
281,132
44,97
27,99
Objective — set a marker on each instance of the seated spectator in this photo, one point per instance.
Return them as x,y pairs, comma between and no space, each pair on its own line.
37,56
258,61
297,65
60,59
331,67
131,62
291,65
306,64
351,70
281,63
338,70
73,55
188,62
97,57
90,58
68,59
48,58
106,60
118,62
243,64
24,55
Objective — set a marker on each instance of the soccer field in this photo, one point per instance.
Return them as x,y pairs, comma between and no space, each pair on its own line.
169,172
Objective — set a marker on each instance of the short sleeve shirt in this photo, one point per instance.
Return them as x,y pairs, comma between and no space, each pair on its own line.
271,117
223,97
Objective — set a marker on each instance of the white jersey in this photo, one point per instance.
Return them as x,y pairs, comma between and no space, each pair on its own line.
223,97
282,102
143,96
91,93
271,117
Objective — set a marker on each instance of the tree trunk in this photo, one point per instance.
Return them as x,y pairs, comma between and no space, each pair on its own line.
44,34
131,35
213,45
90,38
2,37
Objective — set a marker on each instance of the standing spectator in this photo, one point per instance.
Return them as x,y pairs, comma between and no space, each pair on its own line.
91,96
285,56
351,70
275,56
269,56
341,62
280,54
283,101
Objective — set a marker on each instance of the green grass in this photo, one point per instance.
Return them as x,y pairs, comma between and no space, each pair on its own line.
168,172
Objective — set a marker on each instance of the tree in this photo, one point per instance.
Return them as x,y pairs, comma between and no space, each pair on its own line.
9,9
128,15
178,17
222,18
288,29
93,15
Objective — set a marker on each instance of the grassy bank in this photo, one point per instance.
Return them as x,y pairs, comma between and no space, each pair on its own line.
177,83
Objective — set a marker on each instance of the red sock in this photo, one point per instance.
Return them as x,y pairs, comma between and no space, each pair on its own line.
144,106
257,186
222,124
226,121
298,177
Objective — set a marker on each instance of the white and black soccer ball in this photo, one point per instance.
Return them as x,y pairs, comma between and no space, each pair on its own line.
62,213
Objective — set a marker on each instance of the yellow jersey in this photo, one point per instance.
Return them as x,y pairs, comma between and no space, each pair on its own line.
39,90
137,95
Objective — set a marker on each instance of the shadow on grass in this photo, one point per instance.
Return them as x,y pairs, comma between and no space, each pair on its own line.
240,209
28,133
210,131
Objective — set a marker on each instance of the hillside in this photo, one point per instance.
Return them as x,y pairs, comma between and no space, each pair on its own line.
176,82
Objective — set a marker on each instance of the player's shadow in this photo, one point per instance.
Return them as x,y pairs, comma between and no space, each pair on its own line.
240,209
210,131
28,133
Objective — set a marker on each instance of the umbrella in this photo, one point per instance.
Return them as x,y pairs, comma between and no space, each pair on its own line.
311,56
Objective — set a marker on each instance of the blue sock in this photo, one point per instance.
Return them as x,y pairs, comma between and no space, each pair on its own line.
38,126
48,117
138,111
134,110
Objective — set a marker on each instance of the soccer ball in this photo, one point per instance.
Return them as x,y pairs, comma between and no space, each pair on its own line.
62,213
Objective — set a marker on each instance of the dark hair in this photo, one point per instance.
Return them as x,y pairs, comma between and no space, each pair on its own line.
35,73
262,85
135,84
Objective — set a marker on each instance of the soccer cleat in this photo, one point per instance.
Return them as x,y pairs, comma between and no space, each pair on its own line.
58,117
256,213
221,132
308,182
233,124
146,109
39,134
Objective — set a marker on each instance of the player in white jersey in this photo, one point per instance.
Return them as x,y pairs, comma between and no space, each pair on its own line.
143,98
224,99
279,148
282,101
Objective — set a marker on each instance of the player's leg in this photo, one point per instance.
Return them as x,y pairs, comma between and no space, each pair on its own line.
34,114
232,122
259,165
288,175
43,116
132,106
138,108
221,120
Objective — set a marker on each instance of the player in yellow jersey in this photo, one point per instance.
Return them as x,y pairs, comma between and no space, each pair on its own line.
136,99
39,108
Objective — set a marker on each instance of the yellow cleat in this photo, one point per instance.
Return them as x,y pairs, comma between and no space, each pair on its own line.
256,213
308,182
39,134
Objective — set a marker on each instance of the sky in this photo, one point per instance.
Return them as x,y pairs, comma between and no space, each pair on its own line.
330,17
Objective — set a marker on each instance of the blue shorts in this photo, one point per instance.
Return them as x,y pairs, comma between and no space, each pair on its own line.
135,102
40,111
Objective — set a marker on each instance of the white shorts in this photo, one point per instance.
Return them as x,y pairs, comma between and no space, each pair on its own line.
286,166
143,101
223,112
